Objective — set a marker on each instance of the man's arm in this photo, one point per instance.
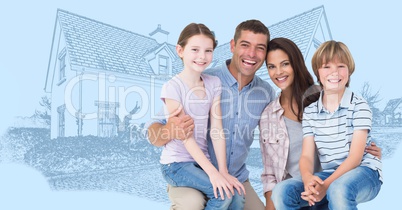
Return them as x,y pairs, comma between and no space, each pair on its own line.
176,128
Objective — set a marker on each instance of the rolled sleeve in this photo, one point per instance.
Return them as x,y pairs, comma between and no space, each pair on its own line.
159,118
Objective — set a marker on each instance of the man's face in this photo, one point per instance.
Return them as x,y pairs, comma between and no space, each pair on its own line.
248,54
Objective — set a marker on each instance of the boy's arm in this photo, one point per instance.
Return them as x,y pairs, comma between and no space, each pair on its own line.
306,162
354,158
362,119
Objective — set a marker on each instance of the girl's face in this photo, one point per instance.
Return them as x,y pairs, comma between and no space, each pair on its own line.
334,76
279,69
197,53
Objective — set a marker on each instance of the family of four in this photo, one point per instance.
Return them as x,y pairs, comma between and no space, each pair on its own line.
314,138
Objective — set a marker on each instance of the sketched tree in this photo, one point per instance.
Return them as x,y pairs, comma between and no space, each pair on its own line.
126,126
44,115
372,98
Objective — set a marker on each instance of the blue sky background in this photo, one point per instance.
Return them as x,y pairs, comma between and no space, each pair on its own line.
369,29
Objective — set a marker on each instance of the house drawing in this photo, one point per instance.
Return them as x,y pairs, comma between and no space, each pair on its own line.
392,113
98,75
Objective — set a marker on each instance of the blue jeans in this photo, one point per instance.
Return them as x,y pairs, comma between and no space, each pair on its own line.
190,174
358,185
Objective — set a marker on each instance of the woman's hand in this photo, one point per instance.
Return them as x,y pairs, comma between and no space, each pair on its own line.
374,150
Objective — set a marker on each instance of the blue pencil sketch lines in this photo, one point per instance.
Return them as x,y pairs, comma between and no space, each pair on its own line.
103,84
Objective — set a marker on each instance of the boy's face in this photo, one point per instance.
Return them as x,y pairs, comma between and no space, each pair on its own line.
334,76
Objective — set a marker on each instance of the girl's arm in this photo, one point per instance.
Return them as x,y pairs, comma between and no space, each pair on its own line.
217,135
219,143
217,180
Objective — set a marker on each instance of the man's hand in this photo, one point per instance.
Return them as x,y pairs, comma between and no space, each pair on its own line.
374,150
179,125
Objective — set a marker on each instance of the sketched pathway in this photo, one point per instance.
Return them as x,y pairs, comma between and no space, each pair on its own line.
144,181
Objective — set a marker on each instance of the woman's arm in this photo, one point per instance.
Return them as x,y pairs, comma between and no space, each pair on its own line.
269,205
374,150
268,176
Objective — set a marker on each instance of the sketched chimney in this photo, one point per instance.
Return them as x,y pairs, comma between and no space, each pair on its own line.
160,35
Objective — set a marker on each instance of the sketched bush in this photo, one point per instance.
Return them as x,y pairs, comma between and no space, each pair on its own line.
89,153
17,141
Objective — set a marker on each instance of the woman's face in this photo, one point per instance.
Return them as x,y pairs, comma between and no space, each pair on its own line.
279,69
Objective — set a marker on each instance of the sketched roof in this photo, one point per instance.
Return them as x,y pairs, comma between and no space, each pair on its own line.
93,44
97,45
392,105
300,29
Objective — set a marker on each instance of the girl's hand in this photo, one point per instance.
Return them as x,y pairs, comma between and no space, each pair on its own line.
234,183
219,182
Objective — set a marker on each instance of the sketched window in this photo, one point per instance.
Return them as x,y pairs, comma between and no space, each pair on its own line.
62,65
107,119
163,64
61,120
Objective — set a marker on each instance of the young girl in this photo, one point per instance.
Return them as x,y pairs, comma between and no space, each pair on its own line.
187,163
338,126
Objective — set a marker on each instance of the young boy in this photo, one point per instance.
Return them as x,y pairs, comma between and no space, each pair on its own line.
338,127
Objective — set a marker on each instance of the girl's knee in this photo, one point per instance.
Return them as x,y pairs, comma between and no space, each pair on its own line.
238,202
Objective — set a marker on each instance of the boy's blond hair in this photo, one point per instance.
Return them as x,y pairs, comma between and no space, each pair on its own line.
330,51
